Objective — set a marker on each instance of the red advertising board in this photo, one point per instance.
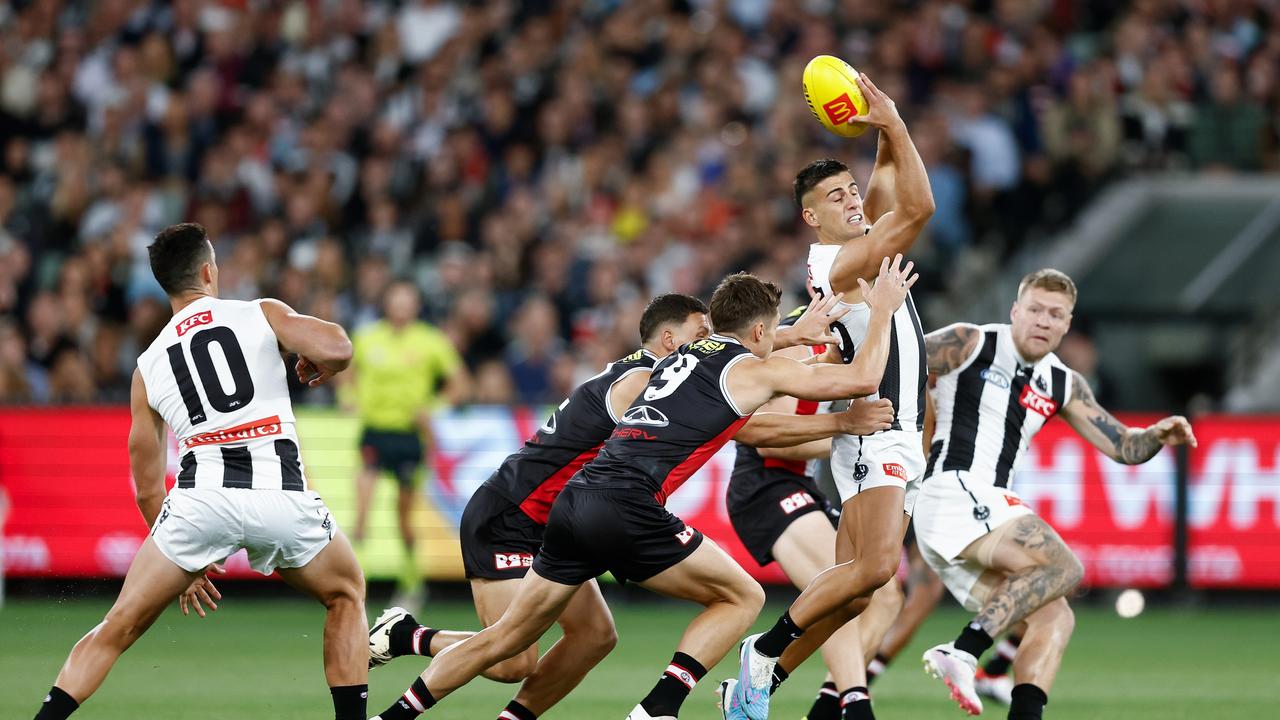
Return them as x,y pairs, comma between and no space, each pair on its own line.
66,472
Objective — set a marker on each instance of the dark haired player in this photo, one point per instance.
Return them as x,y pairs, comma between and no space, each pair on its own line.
780,515
611,515
504,521
997,386
876,475
241,484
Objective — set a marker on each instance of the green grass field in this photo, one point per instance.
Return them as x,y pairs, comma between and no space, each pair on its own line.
261,659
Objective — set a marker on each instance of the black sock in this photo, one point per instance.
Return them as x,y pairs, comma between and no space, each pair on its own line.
1005,651
674,686
58,705
772,643
410,638
1028,702
827,705
415,701
350,702
878,665
855,704
516,711
973,640
779,677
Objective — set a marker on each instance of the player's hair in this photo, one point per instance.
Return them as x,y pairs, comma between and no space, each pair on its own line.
668,308
176,256
1051,280
741,299
814,173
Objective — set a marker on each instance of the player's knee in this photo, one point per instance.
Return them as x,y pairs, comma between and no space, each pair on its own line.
596,636
880,568
748,595
1064,618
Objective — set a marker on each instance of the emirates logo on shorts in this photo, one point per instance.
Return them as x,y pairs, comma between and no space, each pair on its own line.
894,470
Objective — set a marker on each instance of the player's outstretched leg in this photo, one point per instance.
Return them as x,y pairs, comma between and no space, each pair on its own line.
334,578
731,600
1030,567
536,605
924,591
153,581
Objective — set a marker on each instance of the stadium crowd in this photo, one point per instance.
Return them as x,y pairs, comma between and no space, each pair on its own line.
540,169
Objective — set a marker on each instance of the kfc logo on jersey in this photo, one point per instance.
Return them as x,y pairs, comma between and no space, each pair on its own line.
200,318
1036,402
894,470
685,535
795,501
511,561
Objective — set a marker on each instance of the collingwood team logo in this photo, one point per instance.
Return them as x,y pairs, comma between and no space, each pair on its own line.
645,415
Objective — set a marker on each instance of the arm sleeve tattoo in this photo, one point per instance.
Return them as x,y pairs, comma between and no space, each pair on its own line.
1128,445
947,348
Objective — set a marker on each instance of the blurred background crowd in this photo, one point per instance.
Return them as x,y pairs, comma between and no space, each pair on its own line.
540,169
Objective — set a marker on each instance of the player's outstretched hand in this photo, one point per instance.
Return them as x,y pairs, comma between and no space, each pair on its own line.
202,590
814,324
892,285
865,417
1174,430
882,111
311,373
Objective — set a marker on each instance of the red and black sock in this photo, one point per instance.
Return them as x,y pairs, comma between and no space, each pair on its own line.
408,637
58,705
415,701
855,704
827,705
1005,651
878,665
516,711
674,686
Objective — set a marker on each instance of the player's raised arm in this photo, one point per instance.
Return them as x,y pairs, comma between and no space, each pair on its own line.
323,347
878,199
896,231
147,459
948,348
1131,446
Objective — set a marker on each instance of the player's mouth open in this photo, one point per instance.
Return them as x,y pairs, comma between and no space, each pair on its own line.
855,218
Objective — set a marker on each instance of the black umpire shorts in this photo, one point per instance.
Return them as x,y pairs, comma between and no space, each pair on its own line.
762,505
499,541
623,531
399,453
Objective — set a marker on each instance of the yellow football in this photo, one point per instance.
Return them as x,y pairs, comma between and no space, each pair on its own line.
832,92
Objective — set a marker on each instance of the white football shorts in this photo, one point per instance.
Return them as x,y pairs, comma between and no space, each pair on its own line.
894,458
278,528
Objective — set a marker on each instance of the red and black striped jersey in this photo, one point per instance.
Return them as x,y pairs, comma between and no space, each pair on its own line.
680,420
534,475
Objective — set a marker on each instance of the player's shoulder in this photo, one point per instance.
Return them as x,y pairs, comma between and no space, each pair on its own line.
640,358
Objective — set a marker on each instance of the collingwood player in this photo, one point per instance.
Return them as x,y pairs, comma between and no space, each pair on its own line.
215,375
779,514
503,524
611,516
997,386
876,475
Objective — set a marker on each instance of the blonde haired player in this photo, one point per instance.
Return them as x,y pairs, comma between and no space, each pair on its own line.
997,386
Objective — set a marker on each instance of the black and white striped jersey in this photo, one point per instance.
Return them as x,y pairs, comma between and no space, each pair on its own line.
905,373
216,376
990,407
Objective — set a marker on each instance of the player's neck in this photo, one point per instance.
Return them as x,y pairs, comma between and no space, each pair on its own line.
657,350
1023,357
181,301
825,239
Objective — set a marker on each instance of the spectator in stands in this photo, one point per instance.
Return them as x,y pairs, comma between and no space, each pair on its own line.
1228,130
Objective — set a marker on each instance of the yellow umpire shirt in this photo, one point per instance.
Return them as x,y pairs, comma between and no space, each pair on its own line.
399,373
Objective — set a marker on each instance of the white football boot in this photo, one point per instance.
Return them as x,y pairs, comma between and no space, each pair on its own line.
639,713
956,668
380,635
996,687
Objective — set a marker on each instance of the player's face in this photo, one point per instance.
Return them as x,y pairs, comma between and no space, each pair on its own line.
766,331
694,327
834,208
1040,318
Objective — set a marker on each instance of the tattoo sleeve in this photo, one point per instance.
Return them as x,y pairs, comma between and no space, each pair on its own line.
1129,446
1055,572
947,348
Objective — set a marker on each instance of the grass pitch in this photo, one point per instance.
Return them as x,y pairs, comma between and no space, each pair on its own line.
261,659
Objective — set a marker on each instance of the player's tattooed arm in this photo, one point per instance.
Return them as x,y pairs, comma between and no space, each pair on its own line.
1131,446
948,348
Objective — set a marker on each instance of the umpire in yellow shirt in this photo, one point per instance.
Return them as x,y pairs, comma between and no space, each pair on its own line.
402,369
